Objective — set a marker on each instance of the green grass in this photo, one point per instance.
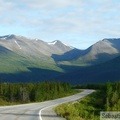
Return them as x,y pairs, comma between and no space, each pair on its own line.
13,63
106,98
87,108
5,103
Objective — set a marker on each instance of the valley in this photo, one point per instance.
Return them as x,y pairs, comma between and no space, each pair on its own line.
23,60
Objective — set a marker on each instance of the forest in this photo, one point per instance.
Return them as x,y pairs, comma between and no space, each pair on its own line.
16,93
105,98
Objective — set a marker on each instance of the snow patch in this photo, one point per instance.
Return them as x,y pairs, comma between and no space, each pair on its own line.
68,45
36,39
52,43
18,45
4,38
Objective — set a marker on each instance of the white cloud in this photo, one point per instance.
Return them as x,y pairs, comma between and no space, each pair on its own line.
5,7
63,18
52,4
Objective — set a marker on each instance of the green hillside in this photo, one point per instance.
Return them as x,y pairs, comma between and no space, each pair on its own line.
108,71
14,67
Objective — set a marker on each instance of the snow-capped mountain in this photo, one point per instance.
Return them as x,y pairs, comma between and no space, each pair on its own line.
33,47
101,51
24,59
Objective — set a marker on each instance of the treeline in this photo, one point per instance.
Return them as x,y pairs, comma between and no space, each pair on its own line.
110,94
112,97
106,98
33,92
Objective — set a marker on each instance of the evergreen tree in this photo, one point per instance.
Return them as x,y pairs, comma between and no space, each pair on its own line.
1,90
108,96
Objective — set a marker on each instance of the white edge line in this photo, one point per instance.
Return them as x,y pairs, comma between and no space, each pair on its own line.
40,112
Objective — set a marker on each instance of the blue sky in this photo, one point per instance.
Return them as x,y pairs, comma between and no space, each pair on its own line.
79,23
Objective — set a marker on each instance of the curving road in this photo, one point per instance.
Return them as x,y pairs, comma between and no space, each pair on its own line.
38,111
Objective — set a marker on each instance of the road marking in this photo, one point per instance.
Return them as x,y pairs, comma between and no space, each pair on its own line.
40,112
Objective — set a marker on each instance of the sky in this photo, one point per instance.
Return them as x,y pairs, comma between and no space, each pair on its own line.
79,23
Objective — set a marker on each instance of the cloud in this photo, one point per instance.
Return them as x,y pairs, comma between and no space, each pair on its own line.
63,19
51,4
5,7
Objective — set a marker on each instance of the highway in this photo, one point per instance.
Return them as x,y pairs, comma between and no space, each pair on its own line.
38,111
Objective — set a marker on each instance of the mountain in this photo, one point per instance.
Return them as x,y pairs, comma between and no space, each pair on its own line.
23,59
100,52
108,71
33,47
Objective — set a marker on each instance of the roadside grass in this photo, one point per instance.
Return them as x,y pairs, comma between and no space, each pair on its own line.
87,108
6,103
105,98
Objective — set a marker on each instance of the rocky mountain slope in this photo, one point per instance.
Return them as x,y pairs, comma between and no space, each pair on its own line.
100,52
24,59
32,47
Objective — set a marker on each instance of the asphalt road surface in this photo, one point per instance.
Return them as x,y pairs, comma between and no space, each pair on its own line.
38,111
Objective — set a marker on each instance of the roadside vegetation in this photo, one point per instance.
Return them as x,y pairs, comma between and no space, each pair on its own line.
106,98
17,93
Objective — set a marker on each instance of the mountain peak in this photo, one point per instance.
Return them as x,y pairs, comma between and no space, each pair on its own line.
59,43
55,42
111,39
11,36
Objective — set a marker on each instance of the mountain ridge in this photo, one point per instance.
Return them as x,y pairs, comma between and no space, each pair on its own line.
40,60
101,51
100,73
20,41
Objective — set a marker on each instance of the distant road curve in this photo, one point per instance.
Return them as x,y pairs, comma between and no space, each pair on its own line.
38,111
